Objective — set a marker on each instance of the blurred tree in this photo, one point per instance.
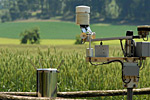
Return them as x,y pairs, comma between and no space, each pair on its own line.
14,12
111,9
78,40
44,9
54,8
6,17
30,36
23,9
97,8
33,5
106,10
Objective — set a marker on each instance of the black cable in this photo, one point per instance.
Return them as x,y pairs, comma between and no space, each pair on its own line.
106,62
143,65
124,80
146,38
114,61
124,53
92,63
141,61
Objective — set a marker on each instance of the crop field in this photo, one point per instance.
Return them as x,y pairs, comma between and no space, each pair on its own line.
56,44
61,30
58,41
42,41
18,74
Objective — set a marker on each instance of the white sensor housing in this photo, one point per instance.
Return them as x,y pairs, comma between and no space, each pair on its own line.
82,15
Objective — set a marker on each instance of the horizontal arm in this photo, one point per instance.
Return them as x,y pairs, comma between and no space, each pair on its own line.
112,38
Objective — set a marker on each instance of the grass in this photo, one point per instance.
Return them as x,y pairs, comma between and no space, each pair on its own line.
108,30
17,74
48,30
61,30
57,43
42,42
60,41
9,41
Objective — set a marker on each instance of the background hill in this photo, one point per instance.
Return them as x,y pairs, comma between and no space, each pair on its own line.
61,30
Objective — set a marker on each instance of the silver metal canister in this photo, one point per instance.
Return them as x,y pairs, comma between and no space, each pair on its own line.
47,82
89,52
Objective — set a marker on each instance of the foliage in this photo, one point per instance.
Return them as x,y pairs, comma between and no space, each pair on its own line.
14,12
30,36
6,17
101,10
18,74
78,40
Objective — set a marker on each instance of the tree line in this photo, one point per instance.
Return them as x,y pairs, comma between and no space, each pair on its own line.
101,10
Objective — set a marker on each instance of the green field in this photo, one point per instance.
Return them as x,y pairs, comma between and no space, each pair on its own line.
61,30
42,41
17,73
57,43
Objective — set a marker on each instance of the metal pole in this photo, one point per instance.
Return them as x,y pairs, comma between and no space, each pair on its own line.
90,41
129,93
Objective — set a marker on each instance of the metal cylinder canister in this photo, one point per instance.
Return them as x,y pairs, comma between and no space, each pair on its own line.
47,82
82,15
89,52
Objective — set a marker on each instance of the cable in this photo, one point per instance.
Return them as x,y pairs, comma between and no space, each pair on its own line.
146,38
124,80
95,64
143,65
124,53
141,61
106,62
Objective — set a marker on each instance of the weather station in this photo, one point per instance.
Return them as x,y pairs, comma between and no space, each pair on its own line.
134,53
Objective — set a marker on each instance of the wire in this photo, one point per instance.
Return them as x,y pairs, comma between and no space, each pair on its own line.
106,62
124,53
124,80
141,61
146,38
143,65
